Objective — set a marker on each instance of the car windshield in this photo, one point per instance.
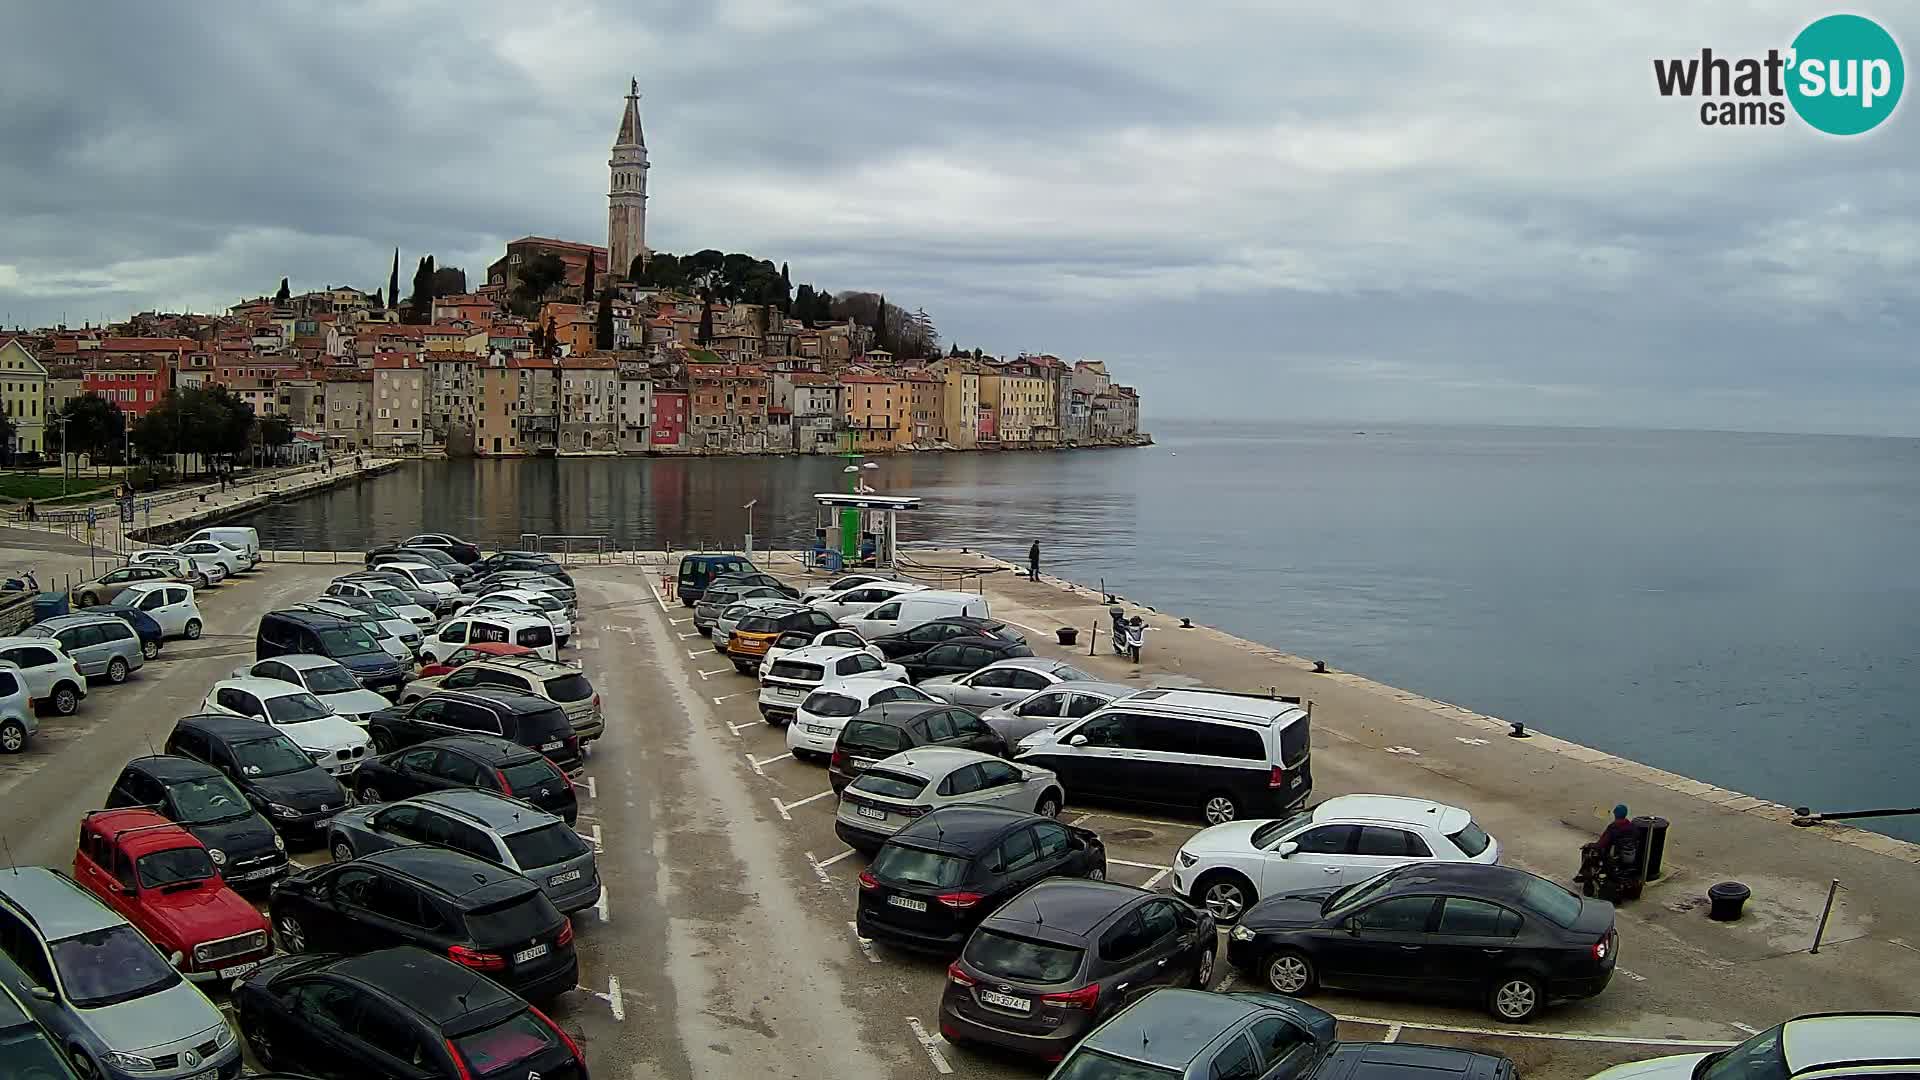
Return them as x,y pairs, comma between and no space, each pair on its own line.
520,919
831,705
295,709
797,671
377,609
543,601
205,801
504,1045
112,965
758,624
918,866
569,688
164,868
277,756
427,575
891,785
1356,892
391,597
546,845
1094,1065
1009,957
1471,840
346,640
332,679
1551,900
530,774
1266,834
1762,1057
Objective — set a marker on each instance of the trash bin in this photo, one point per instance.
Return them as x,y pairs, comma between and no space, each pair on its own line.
1727,898
1067,634
47,605
1653,841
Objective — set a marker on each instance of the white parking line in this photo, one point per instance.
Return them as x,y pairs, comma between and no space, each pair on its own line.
818,871
1081,820
691,634
738,728
758,764
593,789
1138,865
692,655
1631,975
783,807
599,846
1553,1036
1028,629
824,863
866,944
1393,1033
681,622
715,671
1748,1028
730,697
602,906
931,1044
1154,880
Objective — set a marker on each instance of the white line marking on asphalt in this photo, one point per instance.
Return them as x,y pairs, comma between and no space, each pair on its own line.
786,806
782,807
1748,1028
599,846
614,1000
657,598
829,862
730,697
618,629
1407,751
1393,1034
593,789
737,728
817,870
1471,742
1154,880
931,1045
866,944
681,622
1028,629
758,763
715,671
1135,865
1081,820
691,634
601,906
1631,975
692,655
1511,1033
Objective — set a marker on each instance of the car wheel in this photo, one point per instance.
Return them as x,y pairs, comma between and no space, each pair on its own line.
1290,972
116,671
193,629
1225,895
1049,805
13,737
200,580
149,649
83,1064
342,851
293,936
1203,972
1098,873
383,743
1515,998
370,795
1220,808
87,599
66,700
256,1035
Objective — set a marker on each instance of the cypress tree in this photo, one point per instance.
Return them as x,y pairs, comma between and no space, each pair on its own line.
706,316
393,281
285,293
603,321
880,322
586,287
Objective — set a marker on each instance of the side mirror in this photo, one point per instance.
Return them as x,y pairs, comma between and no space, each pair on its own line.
1286,849
1076,740
177,958
1353,926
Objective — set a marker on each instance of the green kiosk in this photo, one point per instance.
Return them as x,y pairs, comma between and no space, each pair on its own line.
847,523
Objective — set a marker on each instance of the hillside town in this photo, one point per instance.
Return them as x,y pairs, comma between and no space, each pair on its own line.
574,349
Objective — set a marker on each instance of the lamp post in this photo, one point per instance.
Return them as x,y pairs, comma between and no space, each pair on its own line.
749,545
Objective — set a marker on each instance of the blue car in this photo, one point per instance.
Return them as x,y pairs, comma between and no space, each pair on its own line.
143,624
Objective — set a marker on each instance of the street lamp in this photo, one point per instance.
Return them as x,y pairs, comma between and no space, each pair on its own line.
749,545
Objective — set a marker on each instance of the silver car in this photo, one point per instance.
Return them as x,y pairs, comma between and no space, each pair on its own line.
532,842
102,988
386,636
1003,682
322,677
102,647
1051,707
718,598
895,791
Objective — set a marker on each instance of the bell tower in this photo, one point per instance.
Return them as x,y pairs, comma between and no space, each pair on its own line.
627,192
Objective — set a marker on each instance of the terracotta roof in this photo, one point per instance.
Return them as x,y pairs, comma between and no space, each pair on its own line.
140,344
864,378
588,363
548,241
812,378
390,361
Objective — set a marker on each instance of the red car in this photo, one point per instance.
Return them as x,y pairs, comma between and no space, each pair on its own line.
161,879
475,651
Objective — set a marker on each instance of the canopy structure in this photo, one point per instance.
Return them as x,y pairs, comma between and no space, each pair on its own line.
858,529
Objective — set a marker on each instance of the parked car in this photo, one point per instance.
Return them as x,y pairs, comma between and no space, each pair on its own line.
463,550
158,877
928,634
1040,973
790,680
754,634
961,656
794,640
434,602
295,631
109,585
539,567
478,914
498,828
396,601
756,577
529,631
456,571
1226,755
25,1046
196,570
232,560
847,603
545,603
894,727
1515,941
387,635
485,762
466,654
1339,842
109,998
278,778
897,789
152,638
171,604
818,718
908,610
424,577
697,569
562,684
193,794
719,598
52,679
324,678
1049,708
335,743
934,881
729,620
17,722
240,538
101,646
1817,1046
533,722
1003,681
354,1011
842,584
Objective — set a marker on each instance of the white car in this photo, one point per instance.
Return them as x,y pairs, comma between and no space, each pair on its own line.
889,794
333,742
170,604
786,682
50,674
325,679
861,599
818,720
400,602
794,640
424,577
532,631
1344,840
231,559
200,570
547,604
842,584
1823,1046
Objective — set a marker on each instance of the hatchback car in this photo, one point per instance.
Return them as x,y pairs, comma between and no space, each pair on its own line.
892,727
1046,709
928,634
152,638
817,720
1041,972
158,877
533,722
104,588
787,681
17,722
493,827
200,572
335,743
862,598
398,602
1818,1046
485,762
1515,941
894,791
278,778
756,632
1002,682
324,678
932,882
720,597
529,631
25,1046
231,559
729,620
424,577
961,656
841,584
795,640
101,646
172,604
562,684
107,995
193,794
476,913
1341,841
52,679
398,1012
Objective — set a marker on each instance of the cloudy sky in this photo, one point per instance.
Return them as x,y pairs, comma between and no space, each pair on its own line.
1386,211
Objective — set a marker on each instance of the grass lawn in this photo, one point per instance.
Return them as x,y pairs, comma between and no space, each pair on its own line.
23,486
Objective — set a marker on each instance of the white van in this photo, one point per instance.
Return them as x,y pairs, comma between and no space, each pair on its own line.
908,610
244,539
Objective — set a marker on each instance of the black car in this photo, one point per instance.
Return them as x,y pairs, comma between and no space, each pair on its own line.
890,727
397,1013
928,634
463,550
1513,940
345,643
151,636
533,722
194,795
1049,966
275,775
933,881
543,567
1410,1061
960,656
468,761
508,560
478,914
755,577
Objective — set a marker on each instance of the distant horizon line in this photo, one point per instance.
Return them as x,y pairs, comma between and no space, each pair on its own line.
1382,424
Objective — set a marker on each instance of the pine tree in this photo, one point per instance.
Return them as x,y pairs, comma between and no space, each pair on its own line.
553,338
603,320
393,281
378,300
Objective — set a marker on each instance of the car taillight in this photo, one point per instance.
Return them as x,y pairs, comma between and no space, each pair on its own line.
915,811
958,977
1084,998
572,1047
505,787
566,934
1277,778
960,901
479,961
596,702
1600,949
868,881
839,758
459,1063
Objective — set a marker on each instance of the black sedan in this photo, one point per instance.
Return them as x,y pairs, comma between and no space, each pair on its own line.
463,550
1513,940
928,634
961,656
755,577
485,762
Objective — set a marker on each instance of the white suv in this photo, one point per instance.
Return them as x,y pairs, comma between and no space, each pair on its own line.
818,721
333,742
1341,841
52,678
786,682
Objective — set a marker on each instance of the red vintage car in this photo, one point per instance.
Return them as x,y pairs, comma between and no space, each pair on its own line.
161,879
467,653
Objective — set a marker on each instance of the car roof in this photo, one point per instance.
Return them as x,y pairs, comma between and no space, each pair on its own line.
313,620
62,621
1482,880
1219,704
1415,1061
860,686
821,653
304,661
1394,809
139,831
517,700
57,907
496,812
224,727
491,748
531,663
898,713
770,603
1036,663
960,827
260,688
431,985
982,641
1068,906
510,618
166,767
1112,690
1171,1027
454,873
931,762
1811,1042
501,649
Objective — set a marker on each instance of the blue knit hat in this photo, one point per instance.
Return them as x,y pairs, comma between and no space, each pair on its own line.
1620,810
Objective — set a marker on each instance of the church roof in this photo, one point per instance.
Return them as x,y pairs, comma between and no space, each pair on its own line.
630,133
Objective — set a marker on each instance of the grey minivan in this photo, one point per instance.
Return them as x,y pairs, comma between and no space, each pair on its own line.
514,834
101,645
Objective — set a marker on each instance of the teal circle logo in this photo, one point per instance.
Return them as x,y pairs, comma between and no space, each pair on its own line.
1846,74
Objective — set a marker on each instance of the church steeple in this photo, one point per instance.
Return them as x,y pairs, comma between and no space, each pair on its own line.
627,194
630,133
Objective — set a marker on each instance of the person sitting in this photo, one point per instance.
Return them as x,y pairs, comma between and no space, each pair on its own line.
1618,830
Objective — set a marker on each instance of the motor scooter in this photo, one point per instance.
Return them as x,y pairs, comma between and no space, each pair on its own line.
1128,634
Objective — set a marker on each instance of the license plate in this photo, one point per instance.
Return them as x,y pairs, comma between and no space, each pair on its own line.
907,902
238,970
863,762
205,1074
816,729
1298,779
1006,1001
787,692
550,746
534,953
562,879
256,875
868,811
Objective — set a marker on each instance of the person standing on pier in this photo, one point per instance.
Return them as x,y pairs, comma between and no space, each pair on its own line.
1033,561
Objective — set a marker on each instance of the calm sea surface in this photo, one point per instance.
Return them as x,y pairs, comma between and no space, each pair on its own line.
1744,609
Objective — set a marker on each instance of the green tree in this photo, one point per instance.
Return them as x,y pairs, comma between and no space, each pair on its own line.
449,281
379,301
603,322
284,294
803,304
586,284
706,315
420,304
93,425
882,338
822,307
7,432
539,275
393,280
786,291
553,339
275,433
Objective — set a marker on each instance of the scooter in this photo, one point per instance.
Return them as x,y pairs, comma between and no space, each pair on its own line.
1128,634
1136,637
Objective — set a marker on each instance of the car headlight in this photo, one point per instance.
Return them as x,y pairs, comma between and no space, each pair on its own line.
280,811
1241,933
1188,859
223,1036
279,844
219,857
128,1062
